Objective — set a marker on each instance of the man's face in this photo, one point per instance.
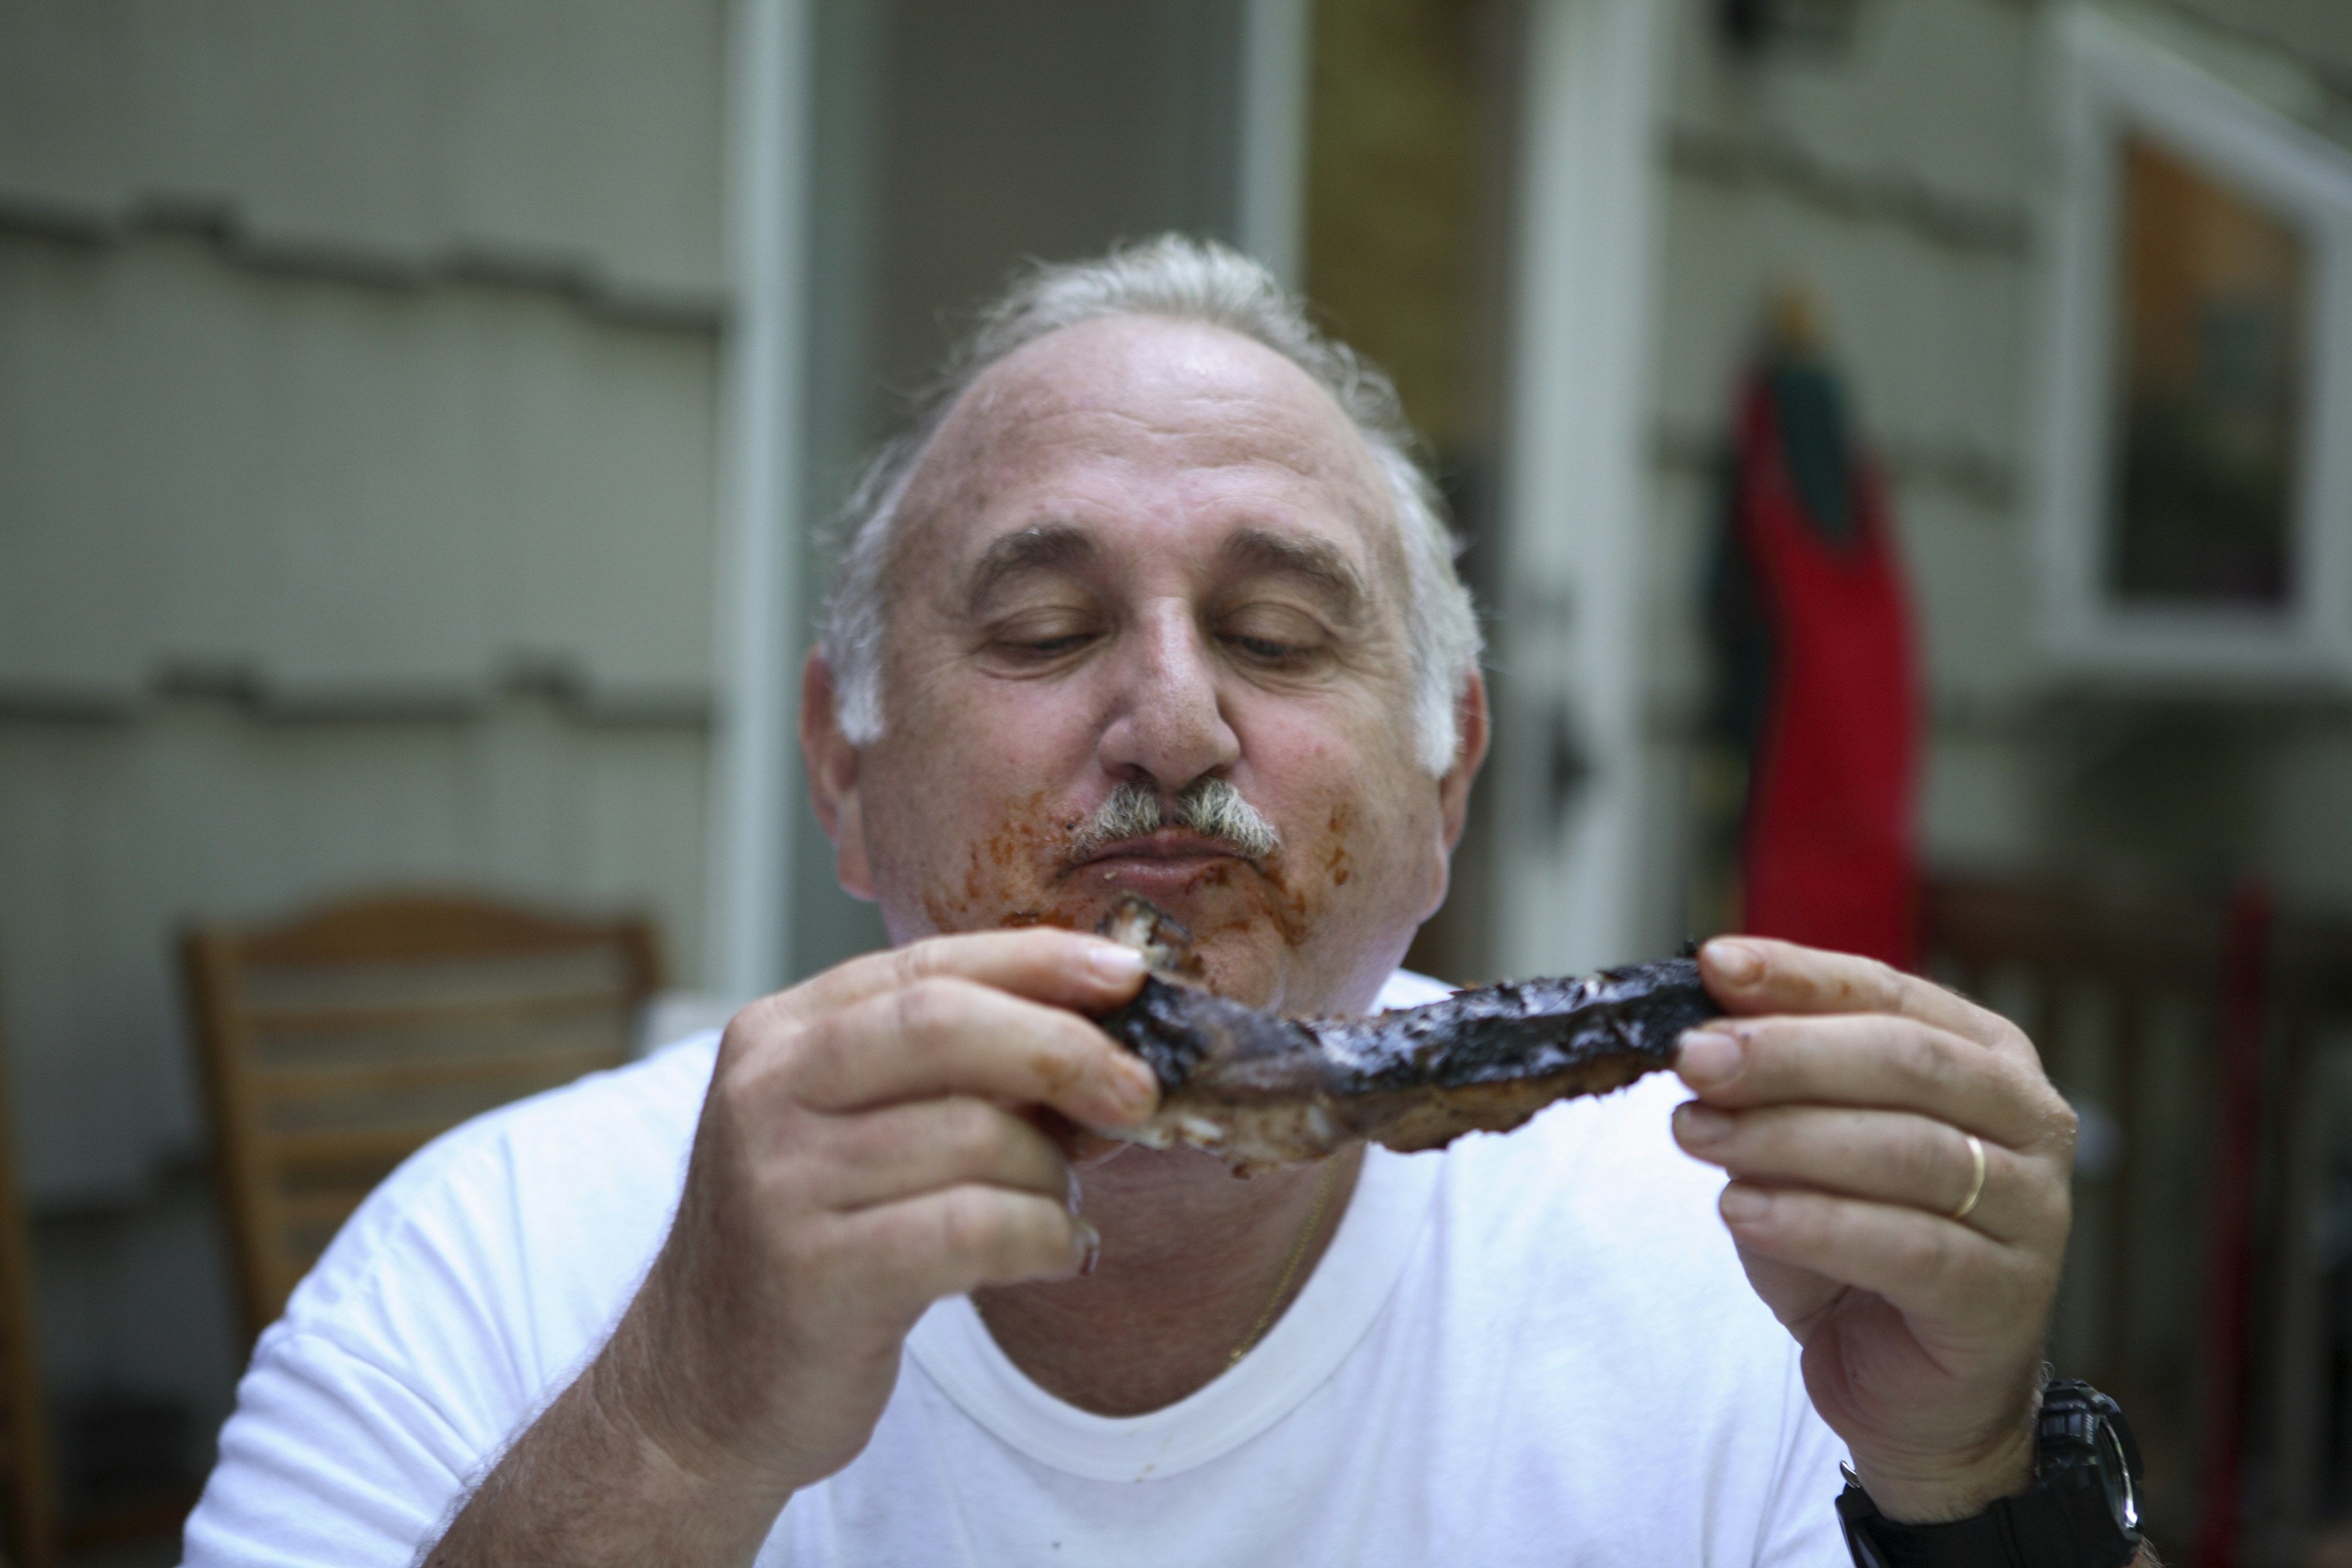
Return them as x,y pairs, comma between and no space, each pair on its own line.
1152,554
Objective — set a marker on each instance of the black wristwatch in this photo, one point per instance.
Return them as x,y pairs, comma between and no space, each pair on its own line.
2082,1511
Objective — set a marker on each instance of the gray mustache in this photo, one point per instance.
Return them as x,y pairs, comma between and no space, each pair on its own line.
1210,807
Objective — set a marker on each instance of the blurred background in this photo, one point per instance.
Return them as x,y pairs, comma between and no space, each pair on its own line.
1900,446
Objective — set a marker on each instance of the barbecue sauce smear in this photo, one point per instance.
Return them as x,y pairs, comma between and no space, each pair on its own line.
1021,875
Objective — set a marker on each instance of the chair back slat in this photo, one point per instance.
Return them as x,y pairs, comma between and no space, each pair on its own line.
337,1044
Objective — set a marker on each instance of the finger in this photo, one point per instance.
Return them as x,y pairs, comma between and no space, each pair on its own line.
954,1241
1752,975
951,1036
1954,1284
1877,1060
1061,968
881,1156
1885,1156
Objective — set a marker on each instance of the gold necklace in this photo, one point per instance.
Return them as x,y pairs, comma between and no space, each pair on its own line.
1297,1253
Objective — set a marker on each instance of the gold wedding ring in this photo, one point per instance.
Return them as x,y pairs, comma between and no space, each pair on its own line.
1976,1183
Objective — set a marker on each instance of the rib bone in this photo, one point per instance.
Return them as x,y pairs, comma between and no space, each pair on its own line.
1261,1090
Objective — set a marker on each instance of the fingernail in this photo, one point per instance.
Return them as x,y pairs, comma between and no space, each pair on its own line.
1073,1196
1135,1091
1741,1203
1701,1124
1706,1057
1737,961
1089,1248
1114,962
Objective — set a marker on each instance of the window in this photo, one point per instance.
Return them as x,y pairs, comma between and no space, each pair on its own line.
2196,518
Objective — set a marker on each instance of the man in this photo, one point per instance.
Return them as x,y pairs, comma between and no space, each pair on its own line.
1150,599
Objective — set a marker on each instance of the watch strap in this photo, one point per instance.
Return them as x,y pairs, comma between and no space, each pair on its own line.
2039,1528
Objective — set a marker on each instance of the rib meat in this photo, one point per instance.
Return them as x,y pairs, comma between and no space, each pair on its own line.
1261,1090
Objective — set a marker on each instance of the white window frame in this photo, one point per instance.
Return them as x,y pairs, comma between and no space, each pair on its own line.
753,775
2112,80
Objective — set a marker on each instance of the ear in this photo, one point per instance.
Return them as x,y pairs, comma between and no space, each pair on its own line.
1454,785
1469,752
832,764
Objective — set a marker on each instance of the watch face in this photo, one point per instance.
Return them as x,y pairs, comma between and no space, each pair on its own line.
2114,1474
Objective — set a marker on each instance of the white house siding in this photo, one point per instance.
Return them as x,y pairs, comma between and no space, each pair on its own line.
358,442
337,490
577,136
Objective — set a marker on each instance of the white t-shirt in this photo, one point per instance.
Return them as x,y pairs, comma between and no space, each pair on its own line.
1532,1348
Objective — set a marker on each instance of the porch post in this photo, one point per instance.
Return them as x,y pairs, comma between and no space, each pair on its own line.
1569,652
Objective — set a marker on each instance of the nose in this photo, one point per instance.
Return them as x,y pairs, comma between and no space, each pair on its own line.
1167,724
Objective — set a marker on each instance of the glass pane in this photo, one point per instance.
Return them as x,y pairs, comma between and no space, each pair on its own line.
2209,378
953,141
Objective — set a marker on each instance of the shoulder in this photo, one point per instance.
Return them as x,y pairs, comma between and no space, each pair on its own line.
577,1182
466,1288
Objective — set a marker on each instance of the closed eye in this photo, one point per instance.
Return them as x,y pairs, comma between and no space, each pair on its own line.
1267,634
1041,641
1068,642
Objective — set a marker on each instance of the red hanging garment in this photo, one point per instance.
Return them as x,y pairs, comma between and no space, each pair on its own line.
1827,847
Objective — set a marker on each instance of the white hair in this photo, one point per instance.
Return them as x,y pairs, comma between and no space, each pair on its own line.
1191,281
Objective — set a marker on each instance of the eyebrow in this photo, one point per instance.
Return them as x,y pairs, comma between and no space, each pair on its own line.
1321,563
1044,547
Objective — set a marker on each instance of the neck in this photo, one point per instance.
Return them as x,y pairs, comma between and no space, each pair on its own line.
1192,1258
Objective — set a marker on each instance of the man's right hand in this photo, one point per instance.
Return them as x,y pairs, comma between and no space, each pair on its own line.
862,1152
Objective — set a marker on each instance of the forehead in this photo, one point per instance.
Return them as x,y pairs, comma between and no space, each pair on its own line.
1152,428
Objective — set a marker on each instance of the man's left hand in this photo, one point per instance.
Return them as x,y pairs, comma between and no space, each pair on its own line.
1841,1096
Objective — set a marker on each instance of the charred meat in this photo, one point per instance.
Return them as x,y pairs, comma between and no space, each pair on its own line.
1262,1092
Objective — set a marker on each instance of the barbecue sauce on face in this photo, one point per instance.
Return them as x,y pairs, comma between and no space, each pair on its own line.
1020,875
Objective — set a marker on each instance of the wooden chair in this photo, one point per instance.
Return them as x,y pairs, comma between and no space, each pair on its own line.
28,1479
338,1044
